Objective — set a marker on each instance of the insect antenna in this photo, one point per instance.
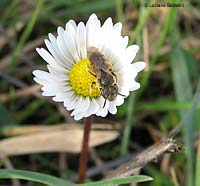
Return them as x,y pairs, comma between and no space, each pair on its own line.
121,94
104,104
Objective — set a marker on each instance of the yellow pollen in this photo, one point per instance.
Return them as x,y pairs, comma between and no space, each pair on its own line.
82,80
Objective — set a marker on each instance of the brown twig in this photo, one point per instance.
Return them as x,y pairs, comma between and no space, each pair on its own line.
130,165
65,113
152,153
94,156
84,152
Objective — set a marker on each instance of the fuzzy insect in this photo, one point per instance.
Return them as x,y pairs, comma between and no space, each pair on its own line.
106,78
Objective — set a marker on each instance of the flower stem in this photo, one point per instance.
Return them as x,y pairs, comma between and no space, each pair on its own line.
84,151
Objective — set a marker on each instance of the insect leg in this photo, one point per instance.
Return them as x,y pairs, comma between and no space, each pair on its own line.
121,94
115,75
104,104
90,71
92,86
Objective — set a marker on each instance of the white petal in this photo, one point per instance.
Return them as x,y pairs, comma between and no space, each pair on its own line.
112,108
103,113
54,49
130,53
71,40
40,81
47,94
119,100
124,91
60,31
55,54
103,109
100,100
139,66
93,16
67,62
81,38
127,75
92,30
125,42
54,89
57,74
60,97
41,74
108,25
93,108
49,59
134,86
79,116
77,106
82,105
71,25
106,32
71,100
64,50
118,28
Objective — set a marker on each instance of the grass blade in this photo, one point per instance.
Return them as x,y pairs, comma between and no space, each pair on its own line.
83,7
197,180
164,106
146,75
145,12
114,181
119,10
25,34
128,124
183,92
166,27
180,73
5,117
33,176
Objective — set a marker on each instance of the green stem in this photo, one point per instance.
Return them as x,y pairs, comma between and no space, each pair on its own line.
119,10
128,126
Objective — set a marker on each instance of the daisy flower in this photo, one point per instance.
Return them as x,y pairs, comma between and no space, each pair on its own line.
90,67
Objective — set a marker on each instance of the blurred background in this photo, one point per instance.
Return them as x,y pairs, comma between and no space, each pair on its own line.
38,134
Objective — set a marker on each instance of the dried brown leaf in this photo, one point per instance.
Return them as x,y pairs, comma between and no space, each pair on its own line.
28,129
53,141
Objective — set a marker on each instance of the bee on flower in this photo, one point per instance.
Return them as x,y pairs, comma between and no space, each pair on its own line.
90,67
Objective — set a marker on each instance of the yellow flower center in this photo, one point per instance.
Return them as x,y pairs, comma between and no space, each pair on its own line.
82,79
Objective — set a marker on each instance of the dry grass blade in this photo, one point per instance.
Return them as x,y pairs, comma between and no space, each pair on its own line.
21,130
22,92
152,153
53,141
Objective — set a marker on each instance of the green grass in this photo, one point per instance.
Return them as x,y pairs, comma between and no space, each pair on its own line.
25,34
